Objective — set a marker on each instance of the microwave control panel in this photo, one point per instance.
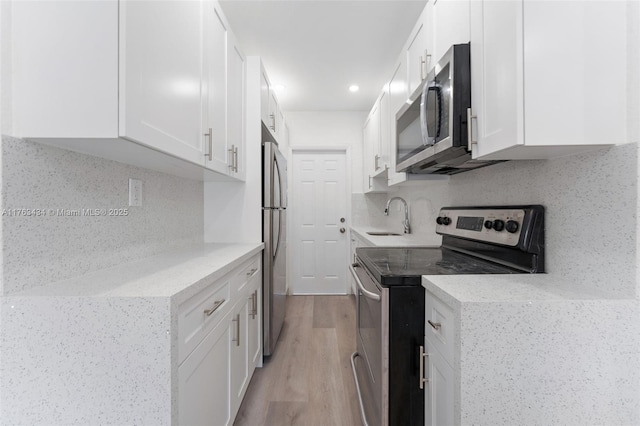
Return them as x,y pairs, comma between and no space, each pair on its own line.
496,226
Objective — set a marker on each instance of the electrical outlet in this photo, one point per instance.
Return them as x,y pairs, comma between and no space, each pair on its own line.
135,192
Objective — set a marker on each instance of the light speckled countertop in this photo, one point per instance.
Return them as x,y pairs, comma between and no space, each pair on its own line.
456,289
178,274
408,240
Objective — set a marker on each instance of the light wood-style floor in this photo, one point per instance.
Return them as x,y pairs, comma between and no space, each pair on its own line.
308,379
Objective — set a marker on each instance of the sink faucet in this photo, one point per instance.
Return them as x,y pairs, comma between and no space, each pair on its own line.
405,222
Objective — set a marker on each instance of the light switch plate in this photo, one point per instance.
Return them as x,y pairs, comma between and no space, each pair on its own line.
135,192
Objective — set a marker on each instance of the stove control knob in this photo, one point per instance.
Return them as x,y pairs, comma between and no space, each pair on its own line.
446,220
488,224
498,225
439,220
512,226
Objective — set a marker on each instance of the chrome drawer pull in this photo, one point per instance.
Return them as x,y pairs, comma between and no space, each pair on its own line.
214,308
435,325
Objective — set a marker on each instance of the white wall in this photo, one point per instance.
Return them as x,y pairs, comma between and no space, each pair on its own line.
330,128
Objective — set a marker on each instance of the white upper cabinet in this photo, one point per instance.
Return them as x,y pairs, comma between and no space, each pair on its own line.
96,76
236,109
450,25
265,97
160,73
381,160
420,49
65,74
398,94
270,111
536,90
371,152
214,90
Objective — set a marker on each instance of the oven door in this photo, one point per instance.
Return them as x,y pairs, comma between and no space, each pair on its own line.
371,358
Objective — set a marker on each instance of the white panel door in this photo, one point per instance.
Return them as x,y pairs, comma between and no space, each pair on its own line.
319,202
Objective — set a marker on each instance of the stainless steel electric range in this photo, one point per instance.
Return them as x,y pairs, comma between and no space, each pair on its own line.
390,298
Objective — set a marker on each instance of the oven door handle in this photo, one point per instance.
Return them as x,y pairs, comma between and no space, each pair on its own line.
367,293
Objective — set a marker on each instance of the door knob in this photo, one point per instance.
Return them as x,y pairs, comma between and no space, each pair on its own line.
342,230
342,220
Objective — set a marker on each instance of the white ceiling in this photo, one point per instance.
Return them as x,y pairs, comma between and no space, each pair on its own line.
318,48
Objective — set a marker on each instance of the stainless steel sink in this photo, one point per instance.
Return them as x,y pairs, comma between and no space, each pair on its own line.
383,234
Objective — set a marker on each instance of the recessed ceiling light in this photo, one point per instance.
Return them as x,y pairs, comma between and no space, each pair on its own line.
354,88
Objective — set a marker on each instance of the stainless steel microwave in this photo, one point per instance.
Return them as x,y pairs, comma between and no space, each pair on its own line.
432,127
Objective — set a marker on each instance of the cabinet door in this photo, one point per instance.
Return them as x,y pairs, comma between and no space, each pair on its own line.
385,131
451,25
203,388
161,57
215,89
497,79
274,112
398,94
239,354
371,144
254,320
419,52
236,109
265,97
280,126
439,391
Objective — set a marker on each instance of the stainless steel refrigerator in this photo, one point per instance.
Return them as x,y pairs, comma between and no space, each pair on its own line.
274,257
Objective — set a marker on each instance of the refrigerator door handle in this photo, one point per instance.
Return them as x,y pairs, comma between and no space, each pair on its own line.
275,253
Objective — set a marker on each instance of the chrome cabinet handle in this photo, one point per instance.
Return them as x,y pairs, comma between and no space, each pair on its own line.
470,117
254,304
423,63
369,181
237,321
210,135
376,158
252,271
235,153
214,308
273,121
230,150
364,291
421,377
435,325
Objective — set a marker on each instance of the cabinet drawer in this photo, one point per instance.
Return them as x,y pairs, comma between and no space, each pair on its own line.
438,328
200,314
247,272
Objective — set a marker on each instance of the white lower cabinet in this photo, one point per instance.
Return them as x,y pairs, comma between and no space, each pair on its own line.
438,396
204,381
438,363
239,353
214,377
254,335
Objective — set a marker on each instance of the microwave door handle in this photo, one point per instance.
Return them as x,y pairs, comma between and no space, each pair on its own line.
423,114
